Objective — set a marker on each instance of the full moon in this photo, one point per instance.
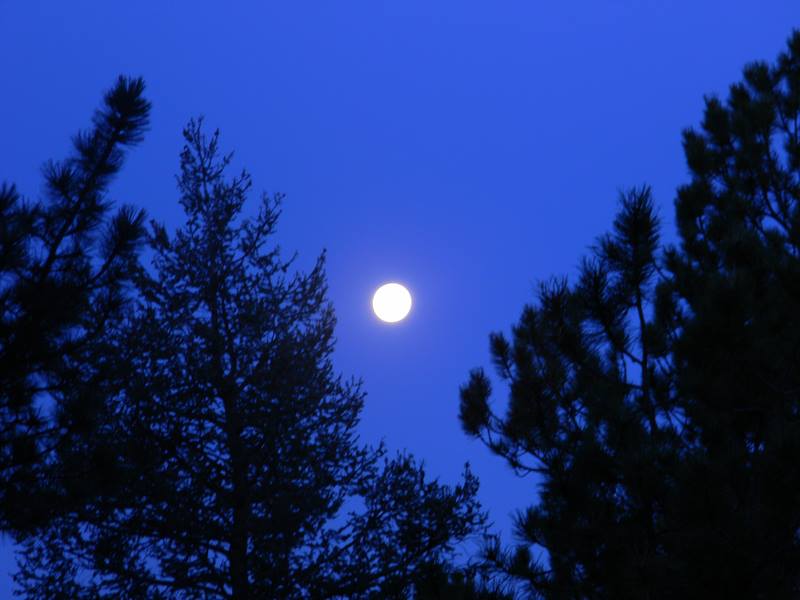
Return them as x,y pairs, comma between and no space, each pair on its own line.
391,302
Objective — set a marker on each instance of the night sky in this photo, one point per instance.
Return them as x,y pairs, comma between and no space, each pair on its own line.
466,149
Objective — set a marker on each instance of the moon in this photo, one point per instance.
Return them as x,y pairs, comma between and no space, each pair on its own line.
391,302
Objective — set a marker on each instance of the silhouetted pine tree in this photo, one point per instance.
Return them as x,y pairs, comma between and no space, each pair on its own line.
735,299
657,399
242,474
440,581
64,266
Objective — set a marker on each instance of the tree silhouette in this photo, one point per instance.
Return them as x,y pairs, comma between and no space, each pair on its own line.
239,472
656,398
65,263
440,581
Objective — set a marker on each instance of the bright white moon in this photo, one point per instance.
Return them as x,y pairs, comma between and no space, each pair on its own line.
391,302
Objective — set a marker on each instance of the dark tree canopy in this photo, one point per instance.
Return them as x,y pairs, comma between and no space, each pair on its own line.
440,581
65,263
657,398
238,472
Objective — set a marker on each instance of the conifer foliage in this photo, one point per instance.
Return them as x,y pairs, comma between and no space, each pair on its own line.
241,475
655,399
65,266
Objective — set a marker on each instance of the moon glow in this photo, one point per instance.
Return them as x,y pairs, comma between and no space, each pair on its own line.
391,302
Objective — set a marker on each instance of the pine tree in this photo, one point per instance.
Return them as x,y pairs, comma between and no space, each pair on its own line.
656,398
241,473
441,581
586,390
735,296
65,264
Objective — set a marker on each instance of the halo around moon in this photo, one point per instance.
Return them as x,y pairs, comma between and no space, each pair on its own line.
391,302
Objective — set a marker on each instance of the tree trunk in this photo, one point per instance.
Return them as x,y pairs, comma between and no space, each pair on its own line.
239,530
228,391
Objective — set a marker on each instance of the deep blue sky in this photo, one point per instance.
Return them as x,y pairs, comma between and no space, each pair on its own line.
465,148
